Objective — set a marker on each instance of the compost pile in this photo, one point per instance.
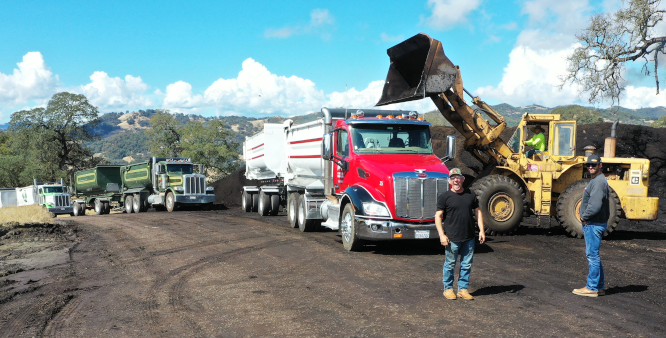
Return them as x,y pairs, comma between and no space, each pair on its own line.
632,141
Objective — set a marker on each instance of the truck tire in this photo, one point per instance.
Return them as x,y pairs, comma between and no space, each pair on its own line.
350,241
107,208
76,209
246,201
137,203
255,202
502,203
275,204
568,209
99,207
170,202
264,204
292,209
128,204
304,224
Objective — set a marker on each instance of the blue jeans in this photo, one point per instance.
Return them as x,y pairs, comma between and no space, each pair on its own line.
593,232
532,152
466,252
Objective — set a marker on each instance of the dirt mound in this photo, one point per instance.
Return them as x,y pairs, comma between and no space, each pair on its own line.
228,190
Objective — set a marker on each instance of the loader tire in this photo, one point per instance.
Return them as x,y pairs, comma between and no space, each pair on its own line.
304,224
128,204
502,203
275,204
568,209
246,201
292,209
264,204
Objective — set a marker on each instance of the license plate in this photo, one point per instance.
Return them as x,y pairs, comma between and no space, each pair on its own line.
422,234
193,197
62,208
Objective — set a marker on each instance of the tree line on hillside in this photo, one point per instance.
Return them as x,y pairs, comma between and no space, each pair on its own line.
50,143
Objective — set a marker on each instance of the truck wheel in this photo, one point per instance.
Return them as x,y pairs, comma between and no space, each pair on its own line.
246,201
292,209
128,204
255,202
170,202
304,224
107,208
99,207
350,241
275,204
264,204
502,203
136,203
568,209
76,209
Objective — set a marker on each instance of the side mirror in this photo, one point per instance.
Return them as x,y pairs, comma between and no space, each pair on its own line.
326,151
450,149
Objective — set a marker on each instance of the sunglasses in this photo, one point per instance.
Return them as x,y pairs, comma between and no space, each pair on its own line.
591,165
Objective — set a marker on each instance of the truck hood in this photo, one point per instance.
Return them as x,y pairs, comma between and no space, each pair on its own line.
385,165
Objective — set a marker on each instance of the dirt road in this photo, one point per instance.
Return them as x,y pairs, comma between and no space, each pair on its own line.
229,274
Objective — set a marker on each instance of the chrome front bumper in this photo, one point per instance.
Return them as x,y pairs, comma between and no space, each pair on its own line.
388,230
61,210
194,199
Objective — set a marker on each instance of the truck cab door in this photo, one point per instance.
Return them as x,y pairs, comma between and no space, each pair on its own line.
342,145
562,140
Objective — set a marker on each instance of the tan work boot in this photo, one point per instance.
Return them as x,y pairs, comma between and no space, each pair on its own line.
464,295
586,292
449,294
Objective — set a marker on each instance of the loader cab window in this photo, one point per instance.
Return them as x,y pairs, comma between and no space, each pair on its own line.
514,141
180,168
563,140
391,139
342,144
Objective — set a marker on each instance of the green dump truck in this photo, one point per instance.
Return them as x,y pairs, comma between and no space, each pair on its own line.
164,183
98,189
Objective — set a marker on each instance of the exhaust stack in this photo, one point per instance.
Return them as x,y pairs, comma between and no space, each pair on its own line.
611,142
419,69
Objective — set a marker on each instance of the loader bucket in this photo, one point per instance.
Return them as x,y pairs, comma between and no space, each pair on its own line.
419,69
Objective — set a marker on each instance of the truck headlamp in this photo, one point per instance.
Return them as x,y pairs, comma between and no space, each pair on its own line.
210,188
375,209
178,188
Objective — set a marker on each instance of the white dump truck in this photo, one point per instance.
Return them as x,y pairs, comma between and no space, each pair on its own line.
51,195
370,174
8,197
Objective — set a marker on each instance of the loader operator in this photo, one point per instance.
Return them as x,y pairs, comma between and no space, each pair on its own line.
538,142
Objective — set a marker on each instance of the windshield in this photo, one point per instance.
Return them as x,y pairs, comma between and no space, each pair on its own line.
514,141
391,139
180,168
51,190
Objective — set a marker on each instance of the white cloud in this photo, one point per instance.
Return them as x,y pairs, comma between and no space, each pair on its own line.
112,93
320,19
33,80
447,13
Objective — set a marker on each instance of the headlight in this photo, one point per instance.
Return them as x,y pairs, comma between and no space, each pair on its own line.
375,209
210,188
178,188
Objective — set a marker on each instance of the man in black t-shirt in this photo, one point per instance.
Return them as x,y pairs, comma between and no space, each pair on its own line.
455,207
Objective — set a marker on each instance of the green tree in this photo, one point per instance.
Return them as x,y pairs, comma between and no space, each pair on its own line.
164,134
10,165
582,115
660,123
211,145
50,141
612,40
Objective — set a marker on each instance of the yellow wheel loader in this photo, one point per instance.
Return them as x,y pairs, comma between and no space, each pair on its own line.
511,184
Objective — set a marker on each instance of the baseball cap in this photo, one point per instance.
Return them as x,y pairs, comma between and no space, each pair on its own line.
455,171
593,159
535,129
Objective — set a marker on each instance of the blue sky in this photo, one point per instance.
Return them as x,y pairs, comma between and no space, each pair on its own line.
263,58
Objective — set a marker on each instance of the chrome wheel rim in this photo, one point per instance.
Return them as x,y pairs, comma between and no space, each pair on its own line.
301,214
170,201
346,227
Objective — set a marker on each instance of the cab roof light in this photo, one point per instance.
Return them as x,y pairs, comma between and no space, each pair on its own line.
380,116
399,117
390,117
354,116
413,115
360,113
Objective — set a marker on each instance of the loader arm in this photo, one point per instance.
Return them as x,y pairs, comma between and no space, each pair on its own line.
419,69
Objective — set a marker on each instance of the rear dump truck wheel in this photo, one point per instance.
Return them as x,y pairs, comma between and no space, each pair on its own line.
76,209
99,207
350,241
128,204
107,208
292,209
246,201
568,209
304,224
264,204
502,203
137,203
255,202
170,202
275,204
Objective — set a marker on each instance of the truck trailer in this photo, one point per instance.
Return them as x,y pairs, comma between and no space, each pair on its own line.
8,197
164,183
98,189
51,195
369,174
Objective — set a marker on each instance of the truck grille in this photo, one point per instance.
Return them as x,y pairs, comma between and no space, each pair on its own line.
194,184
61,200
416,198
